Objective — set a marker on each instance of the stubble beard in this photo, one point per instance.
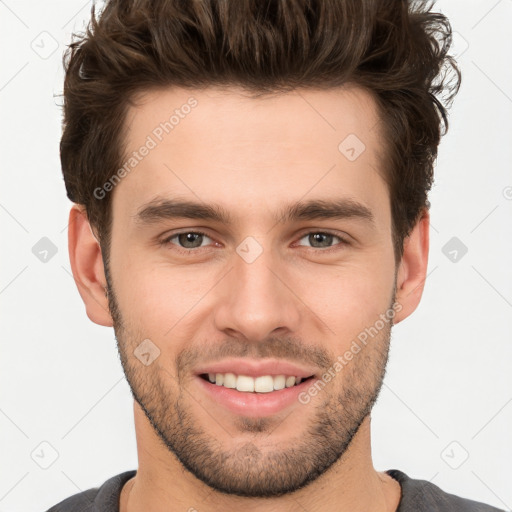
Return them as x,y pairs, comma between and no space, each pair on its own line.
246,469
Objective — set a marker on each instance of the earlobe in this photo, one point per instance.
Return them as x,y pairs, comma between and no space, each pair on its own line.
87,266
412,271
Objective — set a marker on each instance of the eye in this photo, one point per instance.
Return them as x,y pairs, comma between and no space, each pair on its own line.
187,239
322,240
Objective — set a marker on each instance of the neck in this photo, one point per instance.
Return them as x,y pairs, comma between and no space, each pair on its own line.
351,484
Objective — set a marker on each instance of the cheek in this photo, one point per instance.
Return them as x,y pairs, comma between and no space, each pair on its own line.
165,302
160,299
348,298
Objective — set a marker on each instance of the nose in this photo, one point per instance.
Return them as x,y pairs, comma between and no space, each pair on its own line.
257,300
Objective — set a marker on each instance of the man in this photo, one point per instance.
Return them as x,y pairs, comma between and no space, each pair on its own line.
251,217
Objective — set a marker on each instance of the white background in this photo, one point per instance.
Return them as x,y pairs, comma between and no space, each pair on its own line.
448,392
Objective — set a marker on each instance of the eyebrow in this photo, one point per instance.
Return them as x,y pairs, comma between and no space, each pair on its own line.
160,209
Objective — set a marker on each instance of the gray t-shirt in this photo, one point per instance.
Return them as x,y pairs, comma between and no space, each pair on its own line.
417,496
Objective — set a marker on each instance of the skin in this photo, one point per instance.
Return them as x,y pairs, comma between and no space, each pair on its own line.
295,302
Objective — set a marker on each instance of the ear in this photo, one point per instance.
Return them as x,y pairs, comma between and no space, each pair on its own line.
87,266
412,271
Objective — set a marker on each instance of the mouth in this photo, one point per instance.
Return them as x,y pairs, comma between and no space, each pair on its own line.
253,397
259,384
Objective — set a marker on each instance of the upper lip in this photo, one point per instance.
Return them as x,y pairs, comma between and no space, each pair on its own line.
257,367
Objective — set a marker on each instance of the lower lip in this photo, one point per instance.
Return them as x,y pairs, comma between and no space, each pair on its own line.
254,404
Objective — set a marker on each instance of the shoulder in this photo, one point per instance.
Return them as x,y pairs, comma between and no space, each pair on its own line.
423,496
104,498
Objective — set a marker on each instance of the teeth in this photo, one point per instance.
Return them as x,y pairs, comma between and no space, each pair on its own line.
263,384
230,380
279,382
290,381
244,383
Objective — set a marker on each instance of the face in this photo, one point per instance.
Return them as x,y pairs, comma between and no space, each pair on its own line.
246,242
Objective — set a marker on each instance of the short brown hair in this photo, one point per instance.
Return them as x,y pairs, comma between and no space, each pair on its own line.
395,49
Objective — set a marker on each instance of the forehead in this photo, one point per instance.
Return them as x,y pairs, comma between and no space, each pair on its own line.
227,147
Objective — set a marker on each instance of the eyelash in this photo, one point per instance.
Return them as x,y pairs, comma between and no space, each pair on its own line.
166,241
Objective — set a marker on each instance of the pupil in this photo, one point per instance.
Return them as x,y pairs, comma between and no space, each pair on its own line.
320,237
190,240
